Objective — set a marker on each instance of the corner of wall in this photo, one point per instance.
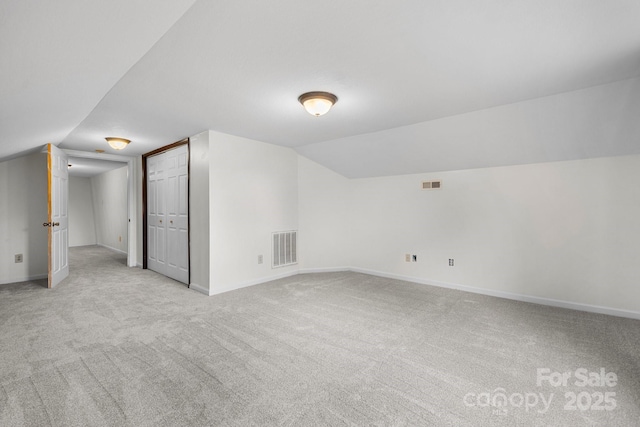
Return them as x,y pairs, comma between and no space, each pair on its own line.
324,199
199,208
253,193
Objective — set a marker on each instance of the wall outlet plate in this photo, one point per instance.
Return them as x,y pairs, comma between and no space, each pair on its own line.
407,257
260,259
18,258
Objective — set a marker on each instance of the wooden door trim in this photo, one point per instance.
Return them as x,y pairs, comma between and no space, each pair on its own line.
144,199
57,170
49,218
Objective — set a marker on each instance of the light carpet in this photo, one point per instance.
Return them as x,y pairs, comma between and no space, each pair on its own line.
118,346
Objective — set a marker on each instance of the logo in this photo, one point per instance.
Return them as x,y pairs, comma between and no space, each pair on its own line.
596,396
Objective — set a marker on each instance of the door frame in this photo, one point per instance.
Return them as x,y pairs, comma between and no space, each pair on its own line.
132,226
57,196
144,199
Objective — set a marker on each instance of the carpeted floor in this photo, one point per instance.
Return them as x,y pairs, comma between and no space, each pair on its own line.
114,346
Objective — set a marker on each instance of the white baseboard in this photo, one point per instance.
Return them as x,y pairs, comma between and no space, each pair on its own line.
199,288
113,249
324,270
508,295
476,290
83,244
24,279
251,283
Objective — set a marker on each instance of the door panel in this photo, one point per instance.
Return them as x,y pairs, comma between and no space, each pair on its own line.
183,252
152,255
161,243
177,214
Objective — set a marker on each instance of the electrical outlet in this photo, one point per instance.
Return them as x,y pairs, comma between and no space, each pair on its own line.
119,238
260,259
450,262
407,257
415,258
18,258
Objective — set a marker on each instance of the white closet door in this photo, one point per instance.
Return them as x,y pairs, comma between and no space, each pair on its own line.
167,214
156,232
177,214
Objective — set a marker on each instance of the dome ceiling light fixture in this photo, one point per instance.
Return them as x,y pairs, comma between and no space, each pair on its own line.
117,143
317,103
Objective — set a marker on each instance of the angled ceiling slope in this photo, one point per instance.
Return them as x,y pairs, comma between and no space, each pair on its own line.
422,84
60,58
87,168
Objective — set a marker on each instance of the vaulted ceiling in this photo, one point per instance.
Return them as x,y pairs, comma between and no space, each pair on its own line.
423,85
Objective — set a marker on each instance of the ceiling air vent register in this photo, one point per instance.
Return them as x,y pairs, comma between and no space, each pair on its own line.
432,185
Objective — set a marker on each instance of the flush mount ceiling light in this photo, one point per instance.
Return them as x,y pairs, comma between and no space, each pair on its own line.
317,103
117,143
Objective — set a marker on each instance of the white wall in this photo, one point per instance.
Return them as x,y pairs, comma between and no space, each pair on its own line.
23,209
253,192
199,216
110,207
324,206
82,226
567,231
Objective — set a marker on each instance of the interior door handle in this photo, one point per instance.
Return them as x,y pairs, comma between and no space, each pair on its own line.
46,224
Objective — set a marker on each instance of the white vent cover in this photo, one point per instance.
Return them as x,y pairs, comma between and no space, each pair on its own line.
285,246
432,185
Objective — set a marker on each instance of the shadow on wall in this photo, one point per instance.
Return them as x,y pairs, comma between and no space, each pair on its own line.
42,283
110,208
36,256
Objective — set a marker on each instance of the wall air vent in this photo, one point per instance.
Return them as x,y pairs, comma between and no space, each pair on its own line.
285,247
431,185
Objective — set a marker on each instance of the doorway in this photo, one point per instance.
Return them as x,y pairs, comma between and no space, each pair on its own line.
103,163
98,203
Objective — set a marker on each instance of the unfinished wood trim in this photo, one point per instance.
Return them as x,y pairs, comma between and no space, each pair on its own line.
49,218
166,148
